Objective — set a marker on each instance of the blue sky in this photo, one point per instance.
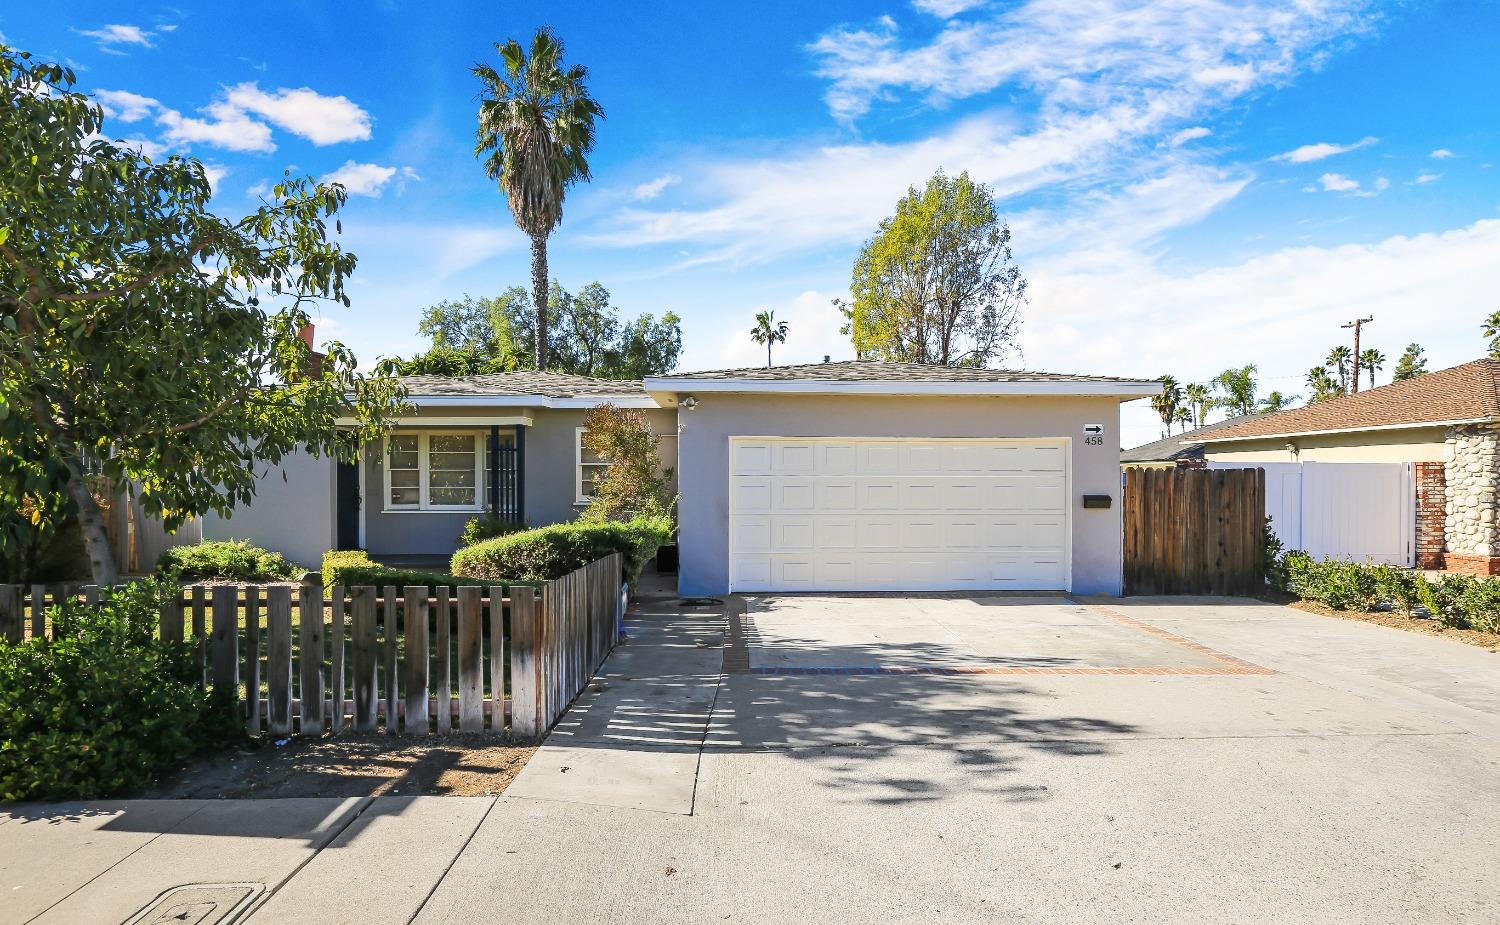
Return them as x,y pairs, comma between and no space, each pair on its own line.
1192,184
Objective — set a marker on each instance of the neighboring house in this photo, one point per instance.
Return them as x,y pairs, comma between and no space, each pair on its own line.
1446,423
832,476
1184,449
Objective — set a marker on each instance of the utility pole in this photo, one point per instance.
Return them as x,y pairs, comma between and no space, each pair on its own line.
1356,324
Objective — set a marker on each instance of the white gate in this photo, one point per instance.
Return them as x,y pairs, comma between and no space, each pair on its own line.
1359,511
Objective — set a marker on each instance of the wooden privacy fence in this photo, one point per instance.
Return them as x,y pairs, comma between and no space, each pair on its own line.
415,659
1194,531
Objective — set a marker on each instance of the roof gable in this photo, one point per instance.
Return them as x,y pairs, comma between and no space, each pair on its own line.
873,377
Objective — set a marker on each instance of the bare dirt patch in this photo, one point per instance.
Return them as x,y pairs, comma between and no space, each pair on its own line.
353,766
1397,620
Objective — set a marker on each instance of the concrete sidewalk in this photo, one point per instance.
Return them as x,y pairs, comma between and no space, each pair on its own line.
1356,782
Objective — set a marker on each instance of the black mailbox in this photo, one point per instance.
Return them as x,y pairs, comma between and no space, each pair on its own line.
1096,501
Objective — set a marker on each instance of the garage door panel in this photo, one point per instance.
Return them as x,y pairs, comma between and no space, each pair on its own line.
752,458
752,494
836,514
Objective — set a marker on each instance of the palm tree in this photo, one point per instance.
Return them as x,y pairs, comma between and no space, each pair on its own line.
1323,386
1372,360
1200,398
1184,417
1340,358
1491,326
1238,386
1276,401
536,126
768,331
1166,402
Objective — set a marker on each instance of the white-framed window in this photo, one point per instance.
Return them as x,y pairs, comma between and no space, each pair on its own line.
590,466
434,471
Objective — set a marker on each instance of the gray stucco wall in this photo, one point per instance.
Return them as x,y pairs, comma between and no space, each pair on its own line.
293,516
550,463
703,452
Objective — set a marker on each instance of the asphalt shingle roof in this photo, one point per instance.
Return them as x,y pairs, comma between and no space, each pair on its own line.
548,385
1185,445
881,371
1470,392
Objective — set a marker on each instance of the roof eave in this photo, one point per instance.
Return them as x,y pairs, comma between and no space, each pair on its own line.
1414,425
668,386
531,401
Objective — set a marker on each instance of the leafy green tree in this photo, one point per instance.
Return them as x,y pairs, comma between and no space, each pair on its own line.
1166,402
1276,401
456,362
937,284
483,325
590,327
1372,360
1200,398
647,347
536,129
1323,385
635,482
1491,328
1238,387
1340,359
768,331
1411,364
135,350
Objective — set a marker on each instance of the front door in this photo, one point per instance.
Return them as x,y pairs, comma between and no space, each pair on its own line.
348,505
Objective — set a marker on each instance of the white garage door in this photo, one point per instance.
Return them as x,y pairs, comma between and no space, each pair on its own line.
897,515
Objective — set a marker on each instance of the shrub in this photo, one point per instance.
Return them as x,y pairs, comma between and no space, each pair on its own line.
103,707
1454,600
1271,553
233,559
551,552
479,529
634,484
352,568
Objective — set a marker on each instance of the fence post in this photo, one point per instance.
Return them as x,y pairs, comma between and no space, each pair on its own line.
200,628
497,658
362,609
279,660
336,654
417,687
38,611
523,661
310,656
226,638
443,682
470,660
391,640
12,617
251,673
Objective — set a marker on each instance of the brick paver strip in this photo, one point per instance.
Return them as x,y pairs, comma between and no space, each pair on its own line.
741,626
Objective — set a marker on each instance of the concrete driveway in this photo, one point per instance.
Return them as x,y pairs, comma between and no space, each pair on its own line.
877,758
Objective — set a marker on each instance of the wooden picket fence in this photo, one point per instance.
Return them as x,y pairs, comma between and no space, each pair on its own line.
1194,531
416,659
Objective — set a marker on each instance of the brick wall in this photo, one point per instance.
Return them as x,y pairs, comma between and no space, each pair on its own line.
1431,512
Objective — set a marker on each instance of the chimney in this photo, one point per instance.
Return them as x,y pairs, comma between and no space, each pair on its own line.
305,334
825,358
315,365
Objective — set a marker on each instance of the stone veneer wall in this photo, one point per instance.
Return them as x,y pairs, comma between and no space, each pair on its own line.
1472,473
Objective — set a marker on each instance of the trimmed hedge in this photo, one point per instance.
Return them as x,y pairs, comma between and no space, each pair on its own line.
479,529
354,567
105,706
1454,600
236,560
552,552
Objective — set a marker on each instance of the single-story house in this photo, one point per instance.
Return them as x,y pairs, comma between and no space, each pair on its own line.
1446,423
1177,450
830,476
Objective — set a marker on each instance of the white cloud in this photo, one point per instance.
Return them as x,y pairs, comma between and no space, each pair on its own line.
947,8
124,105
1442,154
1281,311
1317,152
215,174
362,179
118,34
259,190
1338,183
1190,134
1381,183
146,146
1425,177
1098,54
323,120
227,128
653,188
